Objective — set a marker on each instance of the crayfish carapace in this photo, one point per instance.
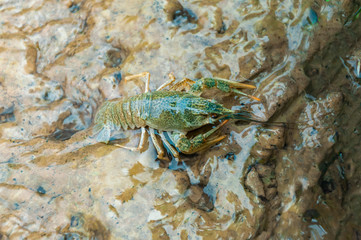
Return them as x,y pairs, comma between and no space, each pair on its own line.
173,111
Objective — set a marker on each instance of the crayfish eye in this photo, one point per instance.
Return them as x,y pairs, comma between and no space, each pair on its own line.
214,115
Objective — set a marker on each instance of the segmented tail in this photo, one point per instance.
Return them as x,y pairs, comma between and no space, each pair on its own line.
117,114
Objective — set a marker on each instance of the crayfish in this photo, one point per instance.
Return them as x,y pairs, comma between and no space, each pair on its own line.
173,113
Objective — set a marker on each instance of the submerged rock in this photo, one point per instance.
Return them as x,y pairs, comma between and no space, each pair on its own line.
254,183
59,60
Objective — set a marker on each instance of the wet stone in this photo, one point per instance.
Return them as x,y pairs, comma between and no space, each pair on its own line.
310,18
259,152
271,193
76,221
31,57
62,134
272,138
267,175
72,236
230,156
327,185
205,203
268,140
52,95
205,173
67,42
73,8
182,180
195,193
184,16
200,200
114,58
6,109
263,235
311,214
264,170
52,91
8,117
80,117
254,183
41,190
117,76
222,29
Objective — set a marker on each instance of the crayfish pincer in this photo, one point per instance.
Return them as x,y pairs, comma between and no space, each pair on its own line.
172,112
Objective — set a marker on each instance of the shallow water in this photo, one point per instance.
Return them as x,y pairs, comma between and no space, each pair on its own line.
60,60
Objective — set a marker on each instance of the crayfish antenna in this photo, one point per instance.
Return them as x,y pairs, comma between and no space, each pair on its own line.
244,94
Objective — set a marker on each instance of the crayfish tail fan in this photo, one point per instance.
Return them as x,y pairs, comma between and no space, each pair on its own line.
103,133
